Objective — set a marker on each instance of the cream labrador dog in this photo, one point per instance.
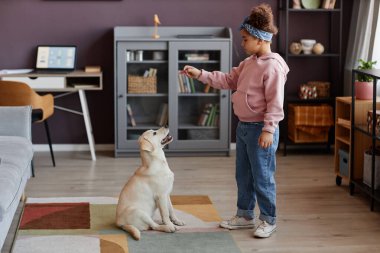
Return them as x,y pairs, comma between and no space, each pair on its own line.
148,189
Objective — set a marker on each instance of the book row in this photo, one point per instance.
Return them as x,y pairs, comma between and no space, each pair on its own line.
187,85
209,116
162,115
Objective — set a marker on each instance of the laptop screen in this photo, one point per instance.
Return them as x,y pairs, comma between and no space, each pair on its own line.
56,57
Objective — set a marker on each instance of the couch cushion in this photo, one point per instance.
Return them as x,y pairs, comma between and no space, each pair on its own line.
15,155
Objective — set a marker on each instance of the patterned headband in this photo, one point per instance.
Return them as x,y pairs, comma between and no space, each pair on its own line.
260,34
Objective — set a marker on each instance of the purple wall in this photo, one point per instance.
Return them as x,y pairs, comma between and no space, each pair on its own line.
88,24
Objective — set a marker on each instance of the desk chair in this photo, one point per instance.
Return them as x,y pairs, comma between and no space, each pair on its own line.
19,94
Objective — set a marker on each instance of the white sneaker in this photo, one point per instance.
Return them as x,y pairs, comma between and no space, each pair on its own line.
264,230
237,222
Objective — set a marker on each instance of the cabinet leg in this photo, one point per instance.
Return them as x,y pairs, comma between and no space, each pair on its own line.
372,204
352,188
338,180
328,148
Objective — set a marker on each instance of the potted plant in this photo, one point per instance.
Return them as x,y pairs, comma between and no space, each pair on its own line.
364,83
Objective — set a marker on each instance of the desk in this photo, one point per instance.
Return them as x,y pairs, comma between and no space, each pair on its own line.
77,81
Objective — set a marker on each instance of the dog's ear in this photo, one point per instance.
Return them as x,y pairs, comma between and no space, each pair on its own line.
145,144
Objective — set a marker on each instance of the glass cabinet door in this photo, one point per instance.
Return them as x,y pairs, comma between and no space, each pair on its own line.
142,90
200,113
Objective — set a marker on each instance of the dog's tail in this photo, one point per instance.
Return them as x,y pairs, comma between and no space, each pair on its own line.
132,230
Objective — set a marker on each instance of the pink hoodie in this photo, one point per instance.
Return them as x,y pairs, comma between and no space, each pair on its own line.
259,83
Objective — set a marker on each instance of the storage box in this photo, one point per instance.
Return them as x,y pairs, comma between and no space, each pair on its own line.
308,124
367,170
344,162
300,136
369,122
307,92
140,84
323,88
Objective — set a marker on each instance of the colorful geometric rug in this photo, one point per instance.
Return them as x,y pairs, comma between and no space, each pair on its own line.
87,225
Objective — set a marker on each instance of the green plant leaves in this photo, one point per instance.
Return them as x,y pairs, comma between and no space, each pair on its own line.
365,65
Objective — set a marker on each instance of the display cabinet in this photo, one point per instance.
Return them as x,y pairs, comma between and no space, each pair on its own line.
151,91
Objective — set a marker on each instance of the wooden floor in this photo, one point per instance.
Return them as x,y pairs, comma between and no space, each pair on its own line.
314,215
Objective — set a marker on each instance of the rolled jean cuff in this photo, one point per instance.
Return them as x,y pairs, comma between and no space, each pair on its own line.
270,220
248,214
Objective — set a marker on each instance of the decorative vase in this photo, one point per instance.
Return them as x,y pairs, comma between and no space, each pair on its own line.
364,90
296,4
307,45
295,48
318,48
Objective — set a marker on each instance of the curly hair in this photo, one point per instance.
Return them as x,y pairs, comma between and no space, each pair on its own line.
262,18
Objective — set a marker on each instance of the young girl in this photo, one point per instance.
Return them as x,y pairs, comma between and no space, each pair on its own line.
258,82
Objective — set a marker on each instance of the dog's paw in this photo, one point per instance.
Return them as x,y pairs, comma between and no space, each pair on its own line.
178,222
169,228
165,228
172,227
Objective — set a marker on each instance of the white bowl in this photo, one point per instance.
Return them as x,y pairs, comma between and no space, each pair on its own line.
307,45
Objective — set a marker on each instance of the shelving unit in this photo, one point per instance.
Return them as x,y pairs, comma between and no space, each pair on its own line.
343,128
361,134
311,67
169,54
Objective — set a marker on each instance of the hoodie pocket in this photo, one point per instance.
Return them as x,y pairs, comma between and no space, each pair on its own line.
240,103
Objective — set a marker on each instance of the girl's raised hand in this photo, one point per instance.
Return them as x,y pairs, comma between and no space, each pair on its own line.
191,72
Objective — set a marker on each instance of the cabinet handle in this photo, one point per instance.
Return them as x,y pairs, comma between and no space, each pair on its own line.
224,95
121,95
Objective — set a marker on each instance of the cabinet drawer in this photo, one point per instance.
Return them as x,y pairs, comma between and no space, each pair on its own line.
56,82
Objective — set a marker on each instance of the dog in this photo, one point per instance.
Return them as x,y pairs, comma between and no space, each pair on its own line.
149,189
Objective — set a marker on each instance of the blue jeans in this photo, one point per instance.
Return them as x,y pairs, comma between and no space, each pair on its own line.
255,169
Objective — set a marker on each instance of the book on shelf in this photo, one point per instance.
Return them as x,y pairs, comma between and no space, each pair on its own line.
202,120
207,88
215,120
209,115
92,69
150,72
197,57
214,116
192,86
162,115
180,83
185,83
130,114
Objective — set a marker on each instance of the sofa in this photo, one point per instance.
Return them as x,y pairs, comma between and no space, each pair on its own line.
16,153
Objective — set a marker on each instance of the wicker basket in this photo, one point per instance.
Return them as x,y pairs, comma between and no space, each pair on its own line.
310,117
140,84
299,136
323,88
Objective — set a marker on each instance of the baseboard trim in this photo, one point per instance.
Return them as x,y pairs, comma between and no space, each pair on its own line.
72,147
84,147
